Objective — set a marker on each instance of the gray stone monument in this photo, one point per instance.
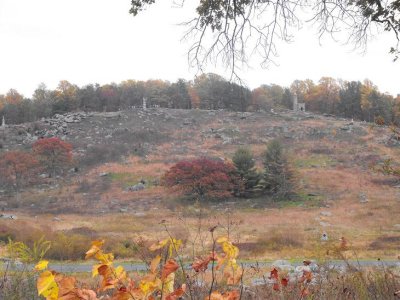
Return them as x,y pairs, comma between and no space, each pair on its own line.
295,102
298,106
144,103
3,122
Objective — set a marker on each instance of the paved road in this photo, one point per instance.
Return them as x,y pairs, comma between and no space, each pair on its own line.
82,268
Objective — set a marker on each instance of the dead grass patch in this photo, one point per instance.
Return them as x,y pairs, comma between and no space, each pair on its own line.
385,243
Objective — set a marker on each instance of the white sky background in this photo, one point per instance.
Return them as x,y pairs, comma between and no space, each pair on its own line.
98,41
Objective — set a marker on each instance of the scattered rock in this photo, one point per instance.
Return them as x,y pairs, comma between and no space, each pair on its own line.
363,198
259,281
69,119
324,224
301,269
104,174
11,217
282,264
137,187
326,213
56,219
140,214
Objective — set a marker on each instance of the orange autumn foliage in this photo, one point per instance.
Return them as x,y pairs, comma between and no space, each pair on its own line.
17,167
53,153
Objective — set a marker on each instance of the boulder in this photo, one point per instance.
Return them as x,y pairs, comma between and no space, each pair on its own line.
326,213
10,217
363,198
137,187
282,264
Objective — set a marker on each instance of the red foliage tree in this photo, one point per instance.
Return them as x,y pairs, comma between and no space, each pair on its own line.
17,168
54,154
204,177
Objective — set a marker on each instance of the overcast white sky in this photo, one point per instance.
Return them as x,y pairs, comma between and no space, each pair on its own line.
97,41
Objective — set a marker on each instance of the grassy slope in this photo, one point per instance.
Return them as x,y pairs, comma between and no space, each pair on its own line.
332,167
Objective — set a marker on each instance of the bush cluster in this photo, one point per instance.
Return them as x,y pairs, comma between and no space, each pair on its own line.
208,178
18,168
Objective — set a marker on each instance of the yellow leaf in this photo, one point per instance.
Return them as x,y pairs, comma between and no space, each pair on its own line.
233,264
174,246
147,286
120,273
230,250
47,286
154,264
41,265
104,258
222,240
95,270
94,249
159,245
169,284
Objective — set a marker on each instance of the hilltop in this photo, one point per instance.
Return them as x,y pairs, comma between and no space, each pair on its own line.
338,191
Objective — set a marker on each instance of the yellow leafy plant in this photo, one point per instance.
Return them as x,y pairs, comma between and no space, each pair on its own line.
157,283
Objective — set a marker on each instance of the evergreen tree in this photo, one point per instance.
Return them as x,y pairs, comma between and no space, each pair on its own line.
278,178
245,166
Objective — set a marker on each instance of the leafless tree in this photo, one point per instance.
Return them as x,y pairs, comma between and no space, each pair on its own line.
232,31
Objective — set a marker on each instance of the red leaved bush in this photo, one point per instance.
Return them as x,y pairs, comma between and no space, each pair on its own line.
53,153
16,167
203,177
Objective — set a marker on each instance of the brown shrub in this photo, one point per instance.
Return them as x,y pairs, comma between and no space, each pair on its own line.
385,243
100,154
379,120
276,240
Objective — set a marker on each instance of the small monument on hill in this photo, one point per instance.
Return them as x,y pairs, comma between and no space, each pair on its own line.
298,106
144,103
3,122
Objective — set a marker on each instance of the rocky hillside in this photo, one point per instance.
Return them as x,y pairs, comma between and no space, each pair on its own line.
121,156
118,144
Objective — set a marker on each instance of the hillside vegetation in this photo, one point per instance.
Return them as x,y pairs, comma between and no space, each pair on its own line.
113,189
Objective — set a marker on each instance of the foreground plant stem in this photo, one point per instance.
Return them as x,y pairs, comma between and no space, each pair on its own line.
180,263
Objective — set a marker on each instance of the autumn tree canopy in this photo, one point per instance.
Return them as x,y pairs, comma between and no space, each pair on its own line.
203,178
350,99
17,168
231,31
54,154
